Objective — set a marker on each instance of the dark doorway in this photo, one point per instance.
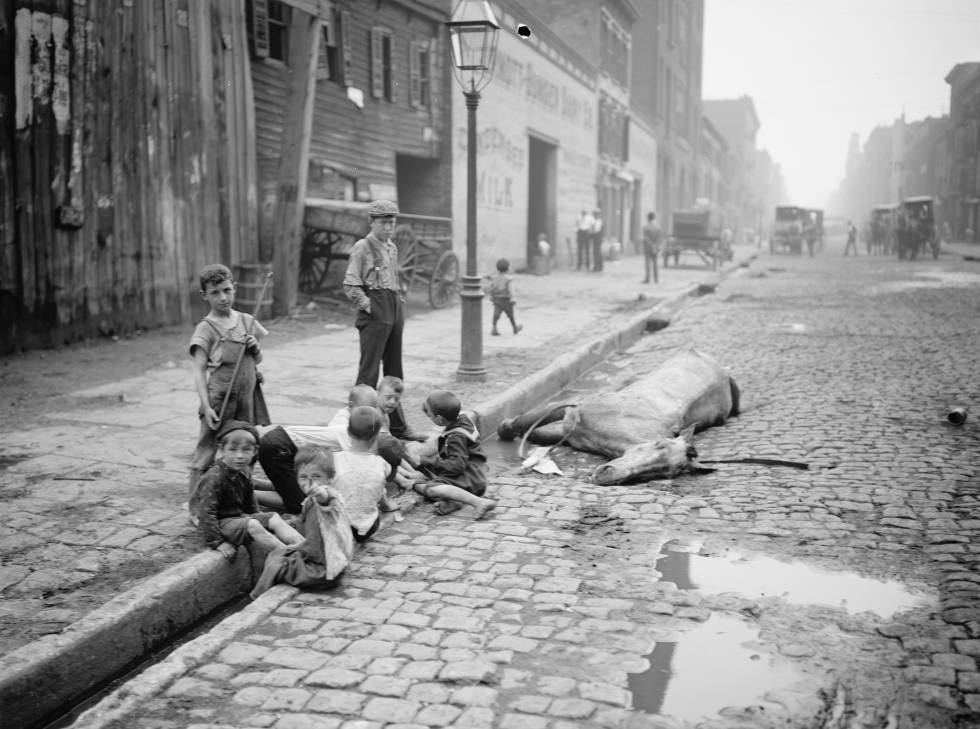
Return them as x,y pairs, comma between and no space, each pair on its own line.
541,194
422,185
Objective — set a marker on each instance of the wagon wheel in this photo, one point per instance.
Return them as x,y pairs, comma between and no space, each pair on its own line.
444,284
408,256
313,264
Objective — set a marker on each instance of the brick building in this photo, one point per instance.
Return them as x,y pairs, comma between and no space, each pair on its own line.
737,121
963,145
666,93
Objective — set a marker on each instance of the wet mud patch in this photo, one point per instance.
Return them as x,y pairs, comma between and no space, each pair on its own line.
717,667
595,519
758,576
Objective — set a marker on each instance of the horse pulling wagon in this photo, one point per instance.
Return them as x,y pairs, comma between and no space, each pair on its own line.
332,227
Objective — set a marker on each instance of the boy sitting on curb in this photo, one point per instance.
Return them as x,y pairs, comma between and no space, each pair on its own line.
228,515
456,474
362,474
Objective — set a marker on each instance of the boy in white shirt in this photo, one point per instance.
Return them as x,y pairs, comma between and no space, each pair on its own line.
362,474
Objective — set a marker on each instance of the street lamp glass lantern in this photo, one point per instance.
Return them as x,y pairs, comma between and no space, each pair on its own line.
473,37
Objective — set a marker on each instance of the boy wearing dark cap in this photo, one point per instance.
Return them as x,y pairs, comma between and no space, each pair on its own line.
371,283
457,472
228,515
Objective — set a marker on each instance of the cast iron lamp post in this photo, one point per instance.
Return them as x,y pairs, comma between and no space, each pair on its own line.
473,36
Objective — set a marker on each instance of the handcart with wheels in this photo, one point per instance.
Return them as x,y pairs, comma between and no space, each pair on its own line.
332,227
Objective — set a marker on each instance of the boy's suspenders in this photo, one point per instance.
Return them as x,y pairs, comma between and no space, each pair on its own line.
377,261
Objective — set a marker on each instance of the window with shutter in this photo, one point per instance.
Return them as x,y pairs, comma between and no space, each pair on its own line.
322,56
278,30
388,58
345,40
382,56
329,66
425,74
377,70
414,77
259,25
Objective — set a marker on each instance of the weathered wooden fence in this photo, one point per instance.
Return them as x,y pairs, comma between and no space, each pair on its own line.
127,162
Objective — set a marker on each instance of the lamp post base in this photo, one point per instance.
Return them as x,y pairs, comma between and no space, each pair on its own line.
471,334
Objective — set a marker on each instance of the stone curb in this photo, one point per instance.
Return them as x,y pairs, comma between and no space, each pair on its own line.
47,675
127,698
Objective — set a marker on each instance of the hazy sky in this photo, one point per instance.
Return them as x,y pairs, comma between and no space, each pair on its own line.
820,70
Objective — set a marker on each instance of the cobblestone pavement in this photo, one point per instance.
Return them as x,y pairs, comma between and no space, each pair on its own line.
93,481
547,615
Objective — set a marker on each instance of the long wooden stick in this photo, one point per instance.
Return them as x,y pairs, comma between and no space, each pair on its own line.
241,354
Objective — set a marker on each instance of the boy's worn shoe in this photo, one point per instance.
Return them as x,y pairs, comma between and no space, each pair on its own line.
518,328
494,332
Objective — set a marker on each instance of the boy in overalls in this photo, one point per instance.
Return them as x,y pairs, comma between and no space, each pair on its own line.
215,346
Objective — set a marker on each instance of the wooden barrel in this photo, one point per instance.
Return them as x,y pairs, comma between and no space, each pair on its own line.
249,278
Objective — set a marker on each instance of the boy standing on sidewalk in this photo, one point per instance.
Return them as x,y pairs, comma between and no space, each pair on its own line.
371,283
216,344
502,296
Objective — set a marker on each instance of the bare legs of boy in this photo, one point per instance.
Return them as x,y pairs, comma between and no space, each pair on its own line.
451,498
279,533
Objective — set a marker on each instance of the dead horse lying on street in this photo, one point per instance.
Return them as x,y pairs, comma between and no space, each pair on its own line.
646,427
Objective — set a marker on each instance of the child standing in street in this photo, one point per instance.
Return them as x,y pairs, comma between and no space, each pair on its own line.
502,296
457,472
227,513
216,344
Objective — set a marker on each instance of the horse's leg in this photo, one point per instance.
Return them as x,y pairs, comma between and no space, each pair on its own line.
513,427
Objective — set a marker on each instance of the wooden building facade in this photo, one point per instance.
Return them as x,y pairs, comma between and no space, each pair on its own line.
126,162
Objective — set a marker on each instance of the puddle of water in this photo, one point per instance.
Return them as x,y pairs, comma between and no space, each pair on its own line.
706,669
502,454
795,582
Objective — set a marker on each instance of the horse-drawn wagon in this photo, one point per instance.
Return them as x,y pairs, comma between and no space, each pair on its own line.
920,227
698,230
884,224
332,227
787,230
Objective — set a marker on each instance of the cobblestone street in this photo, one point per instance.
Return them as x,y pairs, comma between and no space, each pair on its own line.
549,615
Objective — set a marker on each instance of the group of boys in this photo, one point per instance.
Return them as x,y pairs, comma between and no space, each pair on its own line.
357,461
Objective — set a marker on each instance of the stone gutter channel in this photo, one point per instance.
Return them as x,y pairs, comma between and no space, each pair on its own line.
46,678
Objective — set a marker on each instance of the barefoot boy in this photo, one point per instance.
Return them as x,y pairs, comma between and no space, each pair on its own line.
362,474
215,346
457,472
227,513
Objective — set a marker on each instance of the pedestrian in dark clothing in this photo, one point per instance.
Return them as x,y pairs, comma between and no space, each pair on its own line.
851,239
371,282
502,296
597,238
583,239
651,246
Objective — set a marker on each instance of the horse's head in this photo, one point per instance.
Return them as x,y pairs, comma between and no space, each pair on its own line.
664,458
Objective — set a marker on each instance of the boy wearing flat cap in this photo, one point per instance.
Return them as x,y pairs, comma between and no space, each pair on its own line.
371,283
228,515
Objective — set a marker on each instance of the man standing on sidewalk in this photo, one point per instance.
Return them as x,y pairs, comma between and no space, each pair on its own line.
597,237
851,239
371,282
651,246
583,239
